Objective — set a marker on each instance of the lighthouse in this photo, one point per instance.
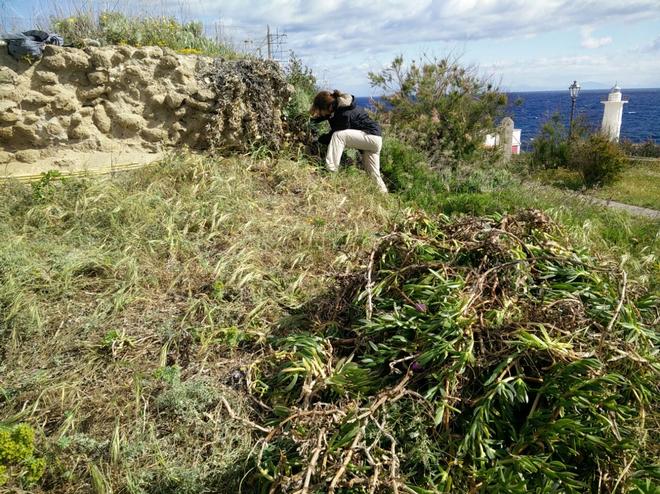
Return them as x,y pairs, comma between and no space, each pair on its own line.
611,125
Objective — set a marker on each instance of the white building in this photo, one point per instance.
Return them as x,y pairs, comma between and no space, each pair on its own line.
612,115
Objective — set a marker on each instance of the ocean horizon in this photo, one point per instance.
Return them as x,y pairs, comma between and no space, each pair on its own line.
640,121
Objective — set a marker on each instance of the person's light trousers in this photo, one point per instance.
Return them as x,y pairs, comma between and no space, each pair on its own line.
370,146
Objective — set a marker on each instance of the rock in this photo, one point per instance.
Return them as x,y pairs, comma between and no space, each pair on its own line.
35,98
101,59
27,155
54,62
153,135
136,73
199,105
46,77
101,119
93,93
55,130
204,95
7,133
76,59
129,121
5,157
80,131
169,62
98,77
9,116
6,105
8,93
63,103
7,76
174,100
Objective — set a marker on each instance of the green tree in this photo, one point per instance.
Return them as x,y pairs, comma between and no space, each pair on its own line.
439,106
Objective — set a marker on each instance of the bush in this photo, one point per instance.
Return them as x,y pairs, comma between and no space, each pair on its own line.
17,460
406,170
116,28
550,146
646,149
439,106
296,112
599,160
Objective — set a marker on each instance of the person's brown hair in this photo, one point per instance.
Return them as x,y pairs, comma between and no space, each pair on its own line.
325,101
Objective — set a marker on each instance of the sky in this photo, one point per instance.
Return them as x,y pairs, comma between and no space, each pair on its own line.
520,44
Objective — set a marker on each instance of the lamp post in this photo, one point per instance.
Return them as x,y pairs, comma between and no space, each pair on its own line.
574,90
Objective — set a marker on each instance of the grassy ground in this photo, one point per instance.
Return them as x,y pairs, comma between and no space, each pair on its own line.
124,301
127,302
639,184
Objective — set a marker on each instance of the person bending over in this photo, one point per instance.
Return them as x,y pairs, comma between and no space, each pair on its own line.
350,127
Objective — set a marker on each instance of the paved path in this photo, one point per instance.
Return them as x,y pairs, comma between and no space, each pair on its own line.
634,210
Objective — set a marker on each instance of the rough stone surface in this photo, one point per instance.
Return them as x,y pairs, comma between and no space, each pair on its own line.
97,98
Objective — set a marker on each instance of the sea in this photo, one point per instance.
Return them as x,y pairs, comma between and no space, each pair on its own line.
530,110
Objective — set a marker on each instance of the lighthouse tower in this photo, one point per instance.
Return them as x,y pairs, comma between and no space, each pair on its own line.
611,125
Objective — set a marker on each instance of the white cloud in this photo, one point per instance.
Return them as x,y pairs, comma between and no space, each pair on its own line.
336,36
591,42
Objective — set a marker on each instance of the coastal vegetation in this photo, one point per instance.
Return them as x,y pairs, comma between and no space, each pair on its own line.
250,323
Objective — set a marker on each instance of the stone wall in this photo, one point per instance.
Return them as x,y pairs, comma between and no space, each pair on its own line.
149,98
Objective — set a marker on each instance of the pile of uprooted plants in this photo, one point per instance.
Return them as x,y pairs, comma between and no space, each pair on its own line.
478,355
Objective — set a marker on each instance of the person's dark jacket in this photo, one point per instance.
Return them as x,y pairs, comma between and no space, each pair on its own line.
348,116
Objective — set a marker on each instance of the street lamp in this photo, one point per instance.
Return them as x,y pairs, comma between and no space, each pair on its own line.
574,90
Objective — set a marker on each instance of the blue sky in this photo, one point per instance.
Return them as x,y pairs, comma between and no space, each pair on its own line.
524,45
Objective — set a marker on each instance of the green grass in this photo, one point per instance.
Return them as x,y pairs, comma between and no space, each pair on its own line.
638,185
125,303
133,307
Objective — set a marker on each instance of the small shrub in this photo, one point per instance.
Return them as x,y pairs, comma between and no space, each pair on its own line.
17,460
117,28
550,146
646,149
599,160
296,112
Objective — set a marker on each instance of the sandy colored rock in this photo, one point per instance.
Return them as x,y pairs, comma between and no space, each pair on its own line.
7,92
169,62
101,58
204,94
104,98
63,103
46,77
9,116
98,77
101,119
27,155
5,157
6,134
92,93
153,135
80,131
7,75
129,121
55,62
76,59
174,100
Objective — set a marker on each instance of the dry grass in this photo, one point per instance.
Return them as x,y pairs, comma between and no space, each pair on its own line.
126,304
